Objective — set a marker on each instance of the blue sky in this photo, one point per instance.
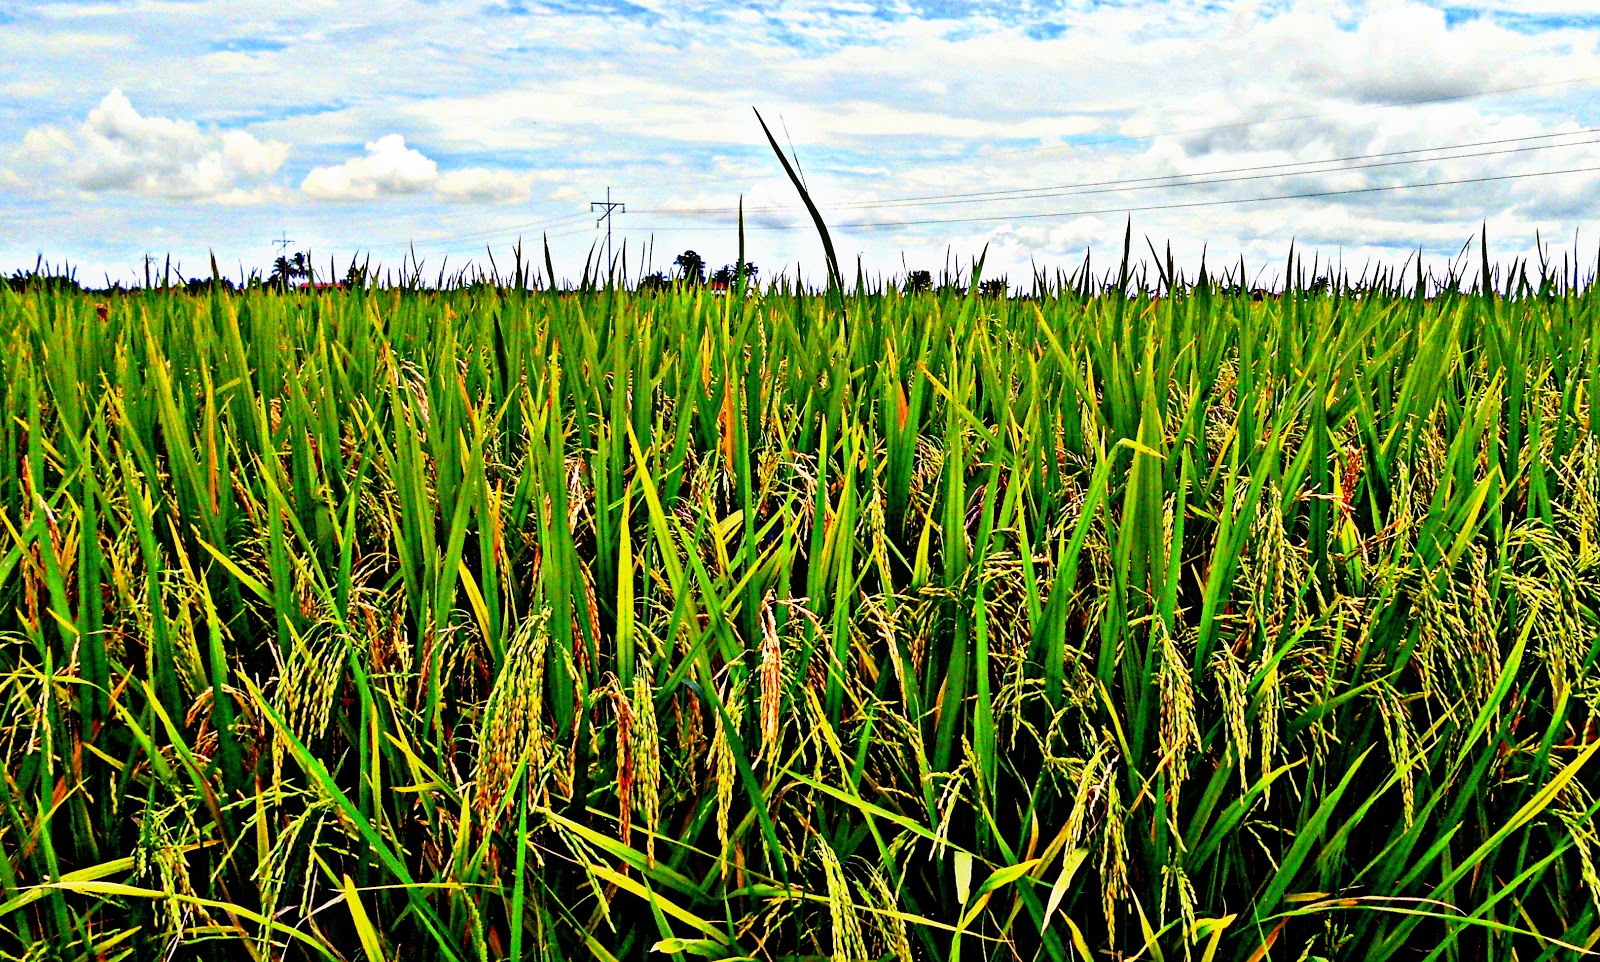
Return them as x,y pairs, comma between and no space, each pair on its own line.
164,127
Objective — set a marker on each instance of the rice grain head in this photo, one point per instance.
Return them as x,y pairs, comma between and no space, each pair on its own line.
1090,788
647,757
848,945
1113,857
1179,731
626,760
1268,706
771,671
891,925
512,726
723,762
1175,881
1397,734
1232,688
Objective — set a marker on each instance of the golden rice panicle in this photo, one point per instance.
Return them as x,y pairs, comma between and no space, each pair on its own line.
1398,736
1179,731
771,671
725,768
891,924
315,665
1585,839
647,758
1176,882
848,944
512,727
186,650
160,860
689,724
1269,704
1277,567
1232,688
1113,857
1090,781
626,759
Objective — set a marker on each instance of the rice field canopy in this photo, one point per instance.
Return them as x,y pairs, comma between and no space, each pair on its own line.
1137,617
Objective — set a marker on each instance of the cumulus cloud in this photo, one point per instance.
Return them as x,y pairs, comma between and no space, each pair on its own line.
118,149
1399,50
389,169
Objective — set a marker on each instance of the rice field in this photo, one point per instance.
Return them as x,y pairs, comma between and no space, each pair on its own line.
491,622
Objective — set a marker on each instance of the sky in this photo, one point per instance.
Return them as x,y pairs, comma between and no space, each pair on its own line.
927,132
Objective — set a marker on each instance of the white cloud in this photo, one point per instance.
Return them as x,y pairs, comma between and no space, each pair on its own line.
1399,50
389,169
118,149
477,185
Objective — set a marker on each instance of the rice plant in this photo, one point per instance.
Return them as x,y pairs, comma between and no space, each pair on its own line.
1139,618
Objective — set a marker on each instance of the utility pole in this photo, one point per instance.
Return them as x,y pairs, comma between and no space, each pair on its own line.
282,243
608,206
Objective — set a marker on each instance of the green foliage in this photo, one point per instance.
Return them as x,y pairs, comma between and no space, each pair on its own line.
485,624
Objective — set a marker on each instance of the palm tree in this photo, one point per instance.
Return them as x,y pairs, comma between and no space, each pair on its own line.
286,269
725,275
655,282
693,267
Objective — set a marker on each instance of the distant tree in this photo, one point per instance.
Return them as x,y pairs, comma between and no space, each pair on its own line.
655,282
723,276
285,270
42,280
692,267
994,287
919,282
200,285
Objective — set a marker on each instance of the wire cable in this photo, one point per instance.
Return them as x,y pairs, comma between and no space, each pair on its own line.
1242,124
1181,180
490,232
480,250
1304,195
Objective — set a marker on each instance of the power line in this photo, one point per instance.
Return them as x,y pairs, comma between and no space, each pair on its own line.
480,250
1239,125
1101,187
1301,195
1304,195
1182,180
488,232
1234,125
1119,138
